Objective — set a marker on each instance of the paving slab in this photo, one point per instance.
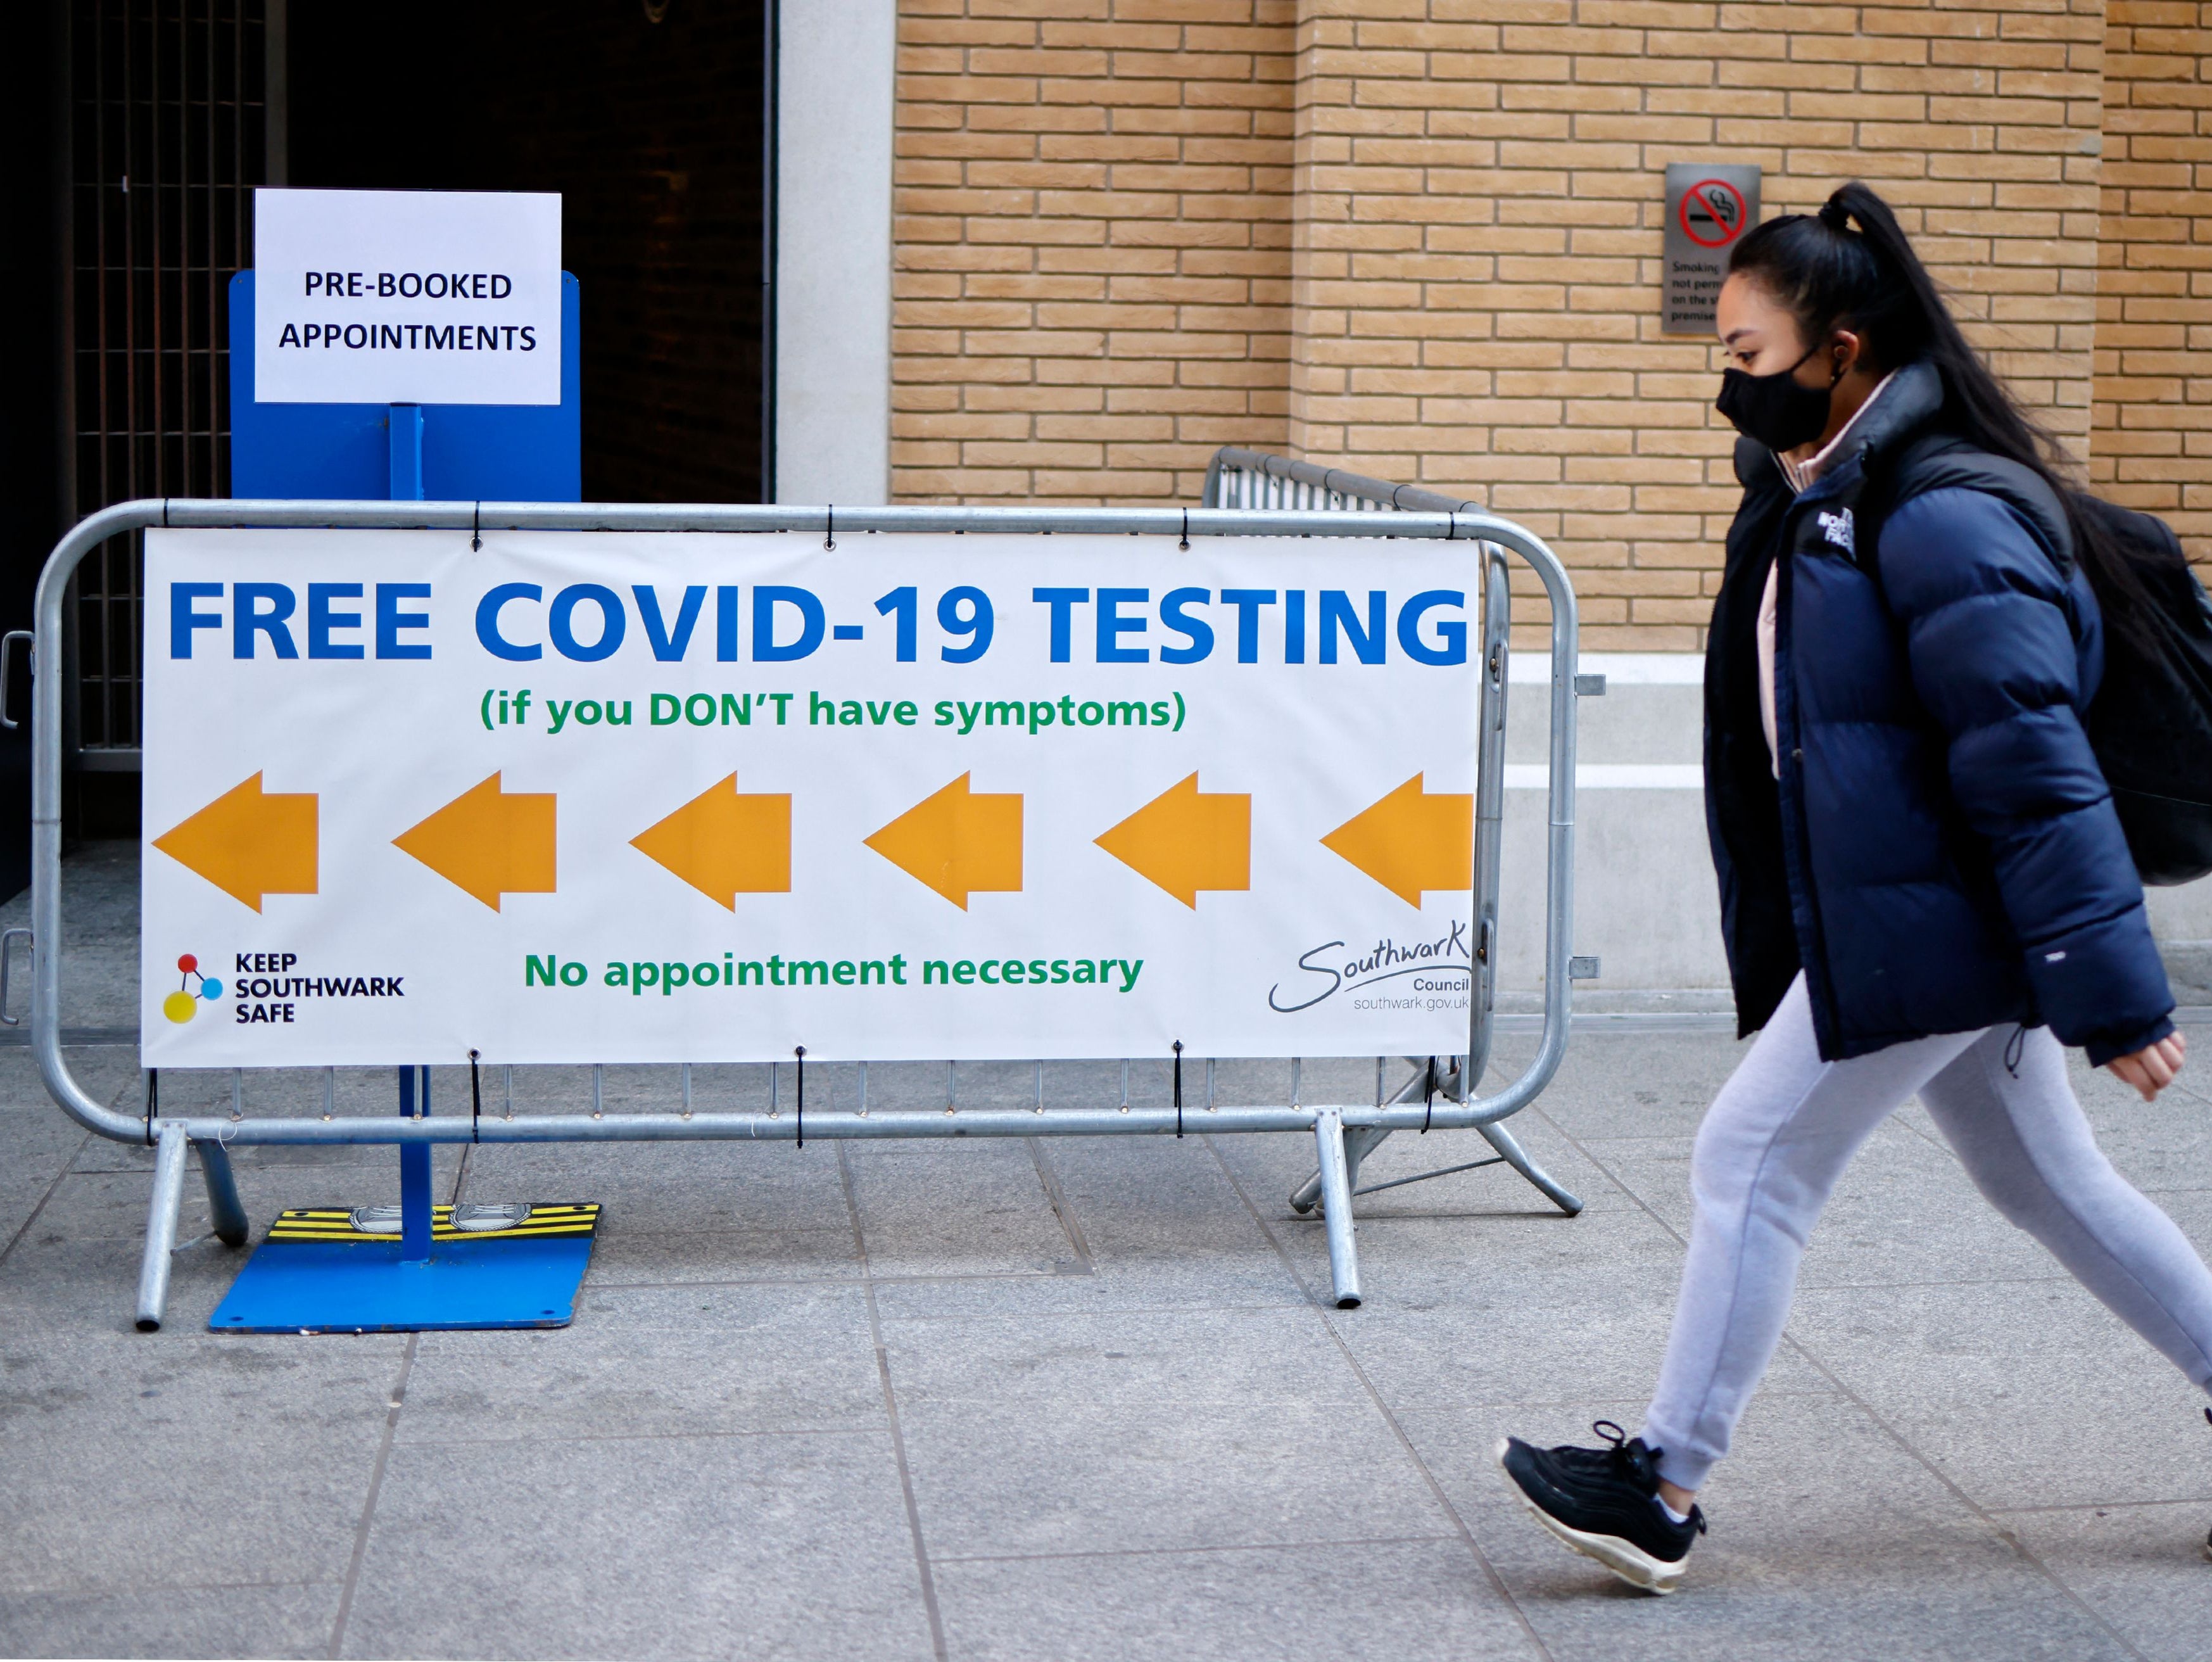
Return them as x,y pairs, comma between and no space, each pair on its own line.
660,1361
1990,1379
630,1257
955,1209
188,1458
283,1619
1148,1228
1177,1360
108,1073
99,931
2160,1145
2124,1562
1084,1477
1409,1598
91,1285
771,1544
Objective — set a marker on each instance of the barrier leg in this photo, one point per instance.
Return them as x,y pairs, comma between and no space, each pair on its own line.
1511,1152
1359,1142
1336,1208
231,1227
161,1228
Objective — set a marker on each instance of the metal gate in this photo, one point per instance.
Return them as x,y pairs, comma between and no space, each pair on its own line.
168,135
1328,1123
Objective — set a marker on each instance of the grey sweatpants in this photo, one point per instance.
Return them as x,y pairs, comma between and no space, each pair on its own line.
1778,1138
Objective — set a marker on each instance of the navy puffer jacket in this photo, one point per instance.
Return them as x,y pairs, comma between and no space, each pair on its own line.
1940,852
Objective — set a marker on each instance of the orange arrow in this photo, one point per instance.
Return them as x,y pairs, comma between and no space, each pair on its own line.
724,843
488,842
1185,841
249,844
1411,841
957,842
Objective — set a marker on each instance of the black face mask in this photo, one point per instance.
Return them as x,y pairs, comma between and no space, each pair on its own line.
1778,409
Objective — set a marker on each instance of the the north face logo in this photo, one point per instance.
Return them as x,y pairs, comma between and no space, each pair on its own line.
1837,528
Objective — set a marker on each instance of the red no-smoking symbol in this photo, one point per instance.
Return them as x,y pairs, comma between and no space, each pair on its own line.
1712,213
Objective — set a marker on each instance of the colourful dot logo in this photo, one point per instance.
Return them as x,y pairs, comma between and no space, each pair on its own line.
179,1005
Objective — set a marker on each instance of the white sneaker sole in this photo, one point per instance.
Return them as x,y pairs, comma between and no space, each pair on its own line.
1624,1558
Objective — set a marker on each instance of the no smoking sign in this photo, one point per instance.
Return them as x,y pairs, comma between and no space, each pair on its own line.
1712,213
1710,206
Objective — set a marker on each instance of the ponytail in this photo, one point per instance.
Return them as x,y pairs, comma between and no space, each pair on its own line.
1869,281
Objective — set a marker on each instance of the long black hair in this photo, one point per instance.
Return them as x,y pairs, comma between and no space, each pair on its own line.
1829,275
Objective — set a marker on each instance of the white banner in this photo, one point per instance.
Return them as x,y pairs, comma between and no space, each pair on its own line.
406,297
611,797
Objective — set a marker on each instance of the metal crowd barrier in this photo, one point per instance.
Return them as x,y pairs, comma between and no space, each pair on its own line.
1343,1133
1240,478
1253,480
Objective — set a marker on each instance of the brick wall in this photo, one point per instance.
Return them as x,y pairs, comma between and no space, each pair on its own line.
1421,238
2153,444
1092,282
1478,239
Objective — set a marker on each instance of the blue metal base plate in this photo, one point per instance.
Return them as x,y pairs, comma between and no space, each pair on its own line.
314,1274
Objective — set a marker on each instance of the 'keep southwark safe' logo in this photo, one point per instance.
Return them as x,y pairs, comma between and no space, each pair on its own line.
184,1004
266,990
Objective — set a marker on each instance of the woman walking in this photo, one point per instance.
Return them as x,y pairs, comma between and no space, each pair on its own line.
1924,886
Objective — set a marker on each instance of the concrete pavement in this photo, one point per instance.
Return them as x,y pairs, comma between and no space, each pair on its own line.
1071,1399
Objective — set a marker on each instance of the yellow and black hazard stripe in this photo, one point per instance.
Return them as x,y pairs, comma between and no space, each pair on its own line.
325,1223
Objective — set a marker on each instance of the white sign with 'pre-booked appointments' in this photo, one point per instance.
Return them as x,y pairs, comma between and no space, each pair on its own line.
406,297
613,797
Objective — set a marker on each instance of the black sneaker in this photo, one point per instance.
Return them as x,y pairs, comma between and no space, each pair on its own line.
2207,1540
1604,1503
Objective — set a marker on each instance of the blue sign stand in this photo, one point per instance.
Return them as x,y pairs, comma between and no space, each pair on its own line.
415,1229
511,453
333,1270
351,1272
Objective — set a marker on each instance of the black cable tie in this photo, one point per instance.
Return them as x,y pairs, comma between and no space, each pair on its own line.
1185,544
476,530
476,1101
1178,1087
829,529
153,1101
801,1053
1429,1098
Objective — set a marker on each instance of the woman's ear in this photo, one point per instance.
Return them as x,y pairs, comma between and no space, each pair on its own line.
1846,351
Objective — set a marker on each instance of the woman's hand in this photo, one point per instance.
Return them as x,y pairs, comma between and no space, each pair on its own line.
2152,1068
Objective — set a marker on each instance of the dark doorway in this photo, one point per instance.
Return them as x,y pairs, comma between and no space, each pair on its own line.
34,508
653,119
137,131
151,136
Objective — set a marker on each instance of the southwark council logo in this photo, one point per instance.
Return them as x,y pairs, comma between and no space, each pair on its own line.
181,1005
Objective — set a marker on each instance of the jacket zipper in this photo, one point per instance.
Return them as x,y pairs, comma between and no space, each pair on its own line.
1804,900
